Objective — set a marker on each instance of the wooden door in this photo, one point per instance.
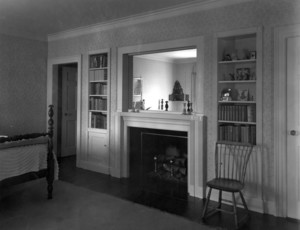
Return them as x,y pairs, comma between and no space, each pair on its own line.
69,111
293,127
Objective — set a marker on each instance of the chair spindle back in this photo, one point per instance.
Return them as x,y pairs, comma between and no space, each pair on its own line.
231,159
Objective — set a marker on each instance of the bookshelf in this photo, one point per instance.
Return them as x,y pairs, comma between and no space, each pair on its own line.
238,86
98,90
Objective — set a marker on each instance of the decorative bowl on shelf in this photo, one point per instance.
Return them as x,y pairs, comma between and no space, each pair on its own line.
226,94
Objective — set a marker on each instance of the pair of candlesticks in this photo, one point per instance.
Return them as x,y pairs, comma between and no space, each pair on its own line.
161,105
187,108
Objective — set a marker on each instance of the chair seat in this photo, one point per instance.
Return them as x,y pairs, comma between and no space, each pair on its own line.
225,184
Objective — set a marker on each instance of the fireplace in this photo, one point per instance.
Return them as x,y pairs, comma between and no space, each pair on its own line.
159,161
190,128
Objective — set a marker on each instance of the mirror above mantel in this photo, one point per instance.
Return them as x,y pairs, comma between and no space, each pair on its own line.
157,77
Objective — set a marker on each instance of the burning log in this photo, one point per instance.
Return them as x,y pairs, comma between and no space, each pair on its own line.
172,164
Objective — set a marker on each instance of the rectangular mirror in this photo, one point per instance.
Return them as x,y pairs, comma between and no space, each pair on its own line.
163,78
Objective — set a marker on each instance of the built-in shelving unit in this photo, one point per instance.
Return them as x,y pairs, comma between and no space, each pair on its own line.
238,89
98,90
94,153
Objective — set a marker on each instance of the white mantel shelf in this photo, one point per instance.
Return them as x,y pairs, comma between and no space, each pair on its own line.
160,119
163,114
193,124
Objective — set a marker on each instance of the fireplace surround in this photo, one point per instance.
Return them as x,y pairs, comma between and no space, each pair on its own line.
193,125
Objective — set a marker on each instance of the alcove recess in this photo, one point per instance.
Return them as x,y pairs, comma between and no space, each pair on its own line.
239,86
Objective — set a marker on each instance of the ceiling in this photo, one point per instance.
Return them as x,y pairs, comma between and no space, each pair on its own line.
39,18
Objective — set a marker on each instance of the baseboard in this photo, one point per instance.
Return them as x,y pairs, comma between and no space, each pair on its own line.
270,208
93,166
115,172
199,192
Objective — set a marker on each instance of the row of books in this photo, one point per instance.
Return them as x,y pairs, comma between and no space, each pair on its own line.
98,61
98,75
98,103
237,133
244,113
98,88
98,121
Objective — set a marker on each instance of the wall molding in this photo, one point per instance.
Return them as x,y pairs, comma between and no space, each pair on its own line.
187,8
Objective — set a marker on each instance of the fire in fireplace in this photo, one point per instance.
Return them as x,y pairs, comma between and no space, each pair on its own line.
158,160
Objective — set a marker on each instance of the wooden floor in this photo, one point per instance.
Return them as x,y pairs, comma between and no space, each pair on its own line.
190,208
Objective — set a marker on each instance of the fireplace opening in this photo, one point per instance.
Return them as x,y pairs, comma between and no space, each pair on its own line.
159,161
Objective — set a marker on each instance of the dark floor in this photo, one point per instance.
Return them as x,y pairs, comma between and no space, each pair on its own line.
190,208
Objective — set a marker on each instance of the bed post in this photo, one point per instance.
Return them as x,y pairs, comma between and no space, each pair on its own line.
50,157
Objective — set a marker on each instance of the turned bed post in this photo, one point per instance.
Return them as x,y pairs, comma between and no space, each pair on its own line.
50,157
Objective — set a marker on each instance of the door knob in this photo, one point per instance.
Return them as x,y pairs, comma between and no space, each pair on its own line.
293,132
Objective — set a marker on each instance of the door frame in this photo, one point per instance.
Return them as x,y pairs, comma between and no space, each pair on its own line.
280,117
51,73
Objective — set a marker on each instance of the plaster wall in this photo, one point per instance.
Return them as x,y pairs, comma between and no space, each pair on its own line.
23,85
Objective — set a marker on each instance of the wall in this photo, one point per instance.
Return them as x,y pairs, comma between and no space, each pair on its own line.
259,13
23,85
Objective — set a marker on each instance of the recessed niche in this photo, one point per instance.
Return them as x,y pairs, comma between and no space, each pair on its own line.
152,76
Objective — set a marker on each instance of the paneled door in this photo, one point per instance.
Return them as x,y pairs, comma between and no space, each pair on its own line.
69,111
293,127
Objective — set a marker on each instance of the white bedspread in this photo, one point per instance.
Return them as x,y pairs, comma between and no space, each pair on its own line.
18,160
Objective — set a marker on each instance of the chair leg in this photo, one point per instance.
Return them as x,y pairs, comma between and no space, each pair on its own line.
220,199
235,211
206,203
243,200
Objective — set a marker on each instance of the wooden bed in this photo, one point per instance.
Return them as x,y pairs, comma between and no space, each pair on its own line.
27,157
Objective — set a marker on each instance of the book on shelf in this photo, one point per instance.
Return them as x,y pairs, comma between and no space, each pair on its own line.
98,104
104,89
242,113
98,61
98,88
100,74
237,133
91,75
251,111
99,121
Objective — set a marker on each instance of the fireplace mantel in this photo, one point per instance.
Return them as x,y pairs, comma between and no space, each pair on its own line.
193,124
